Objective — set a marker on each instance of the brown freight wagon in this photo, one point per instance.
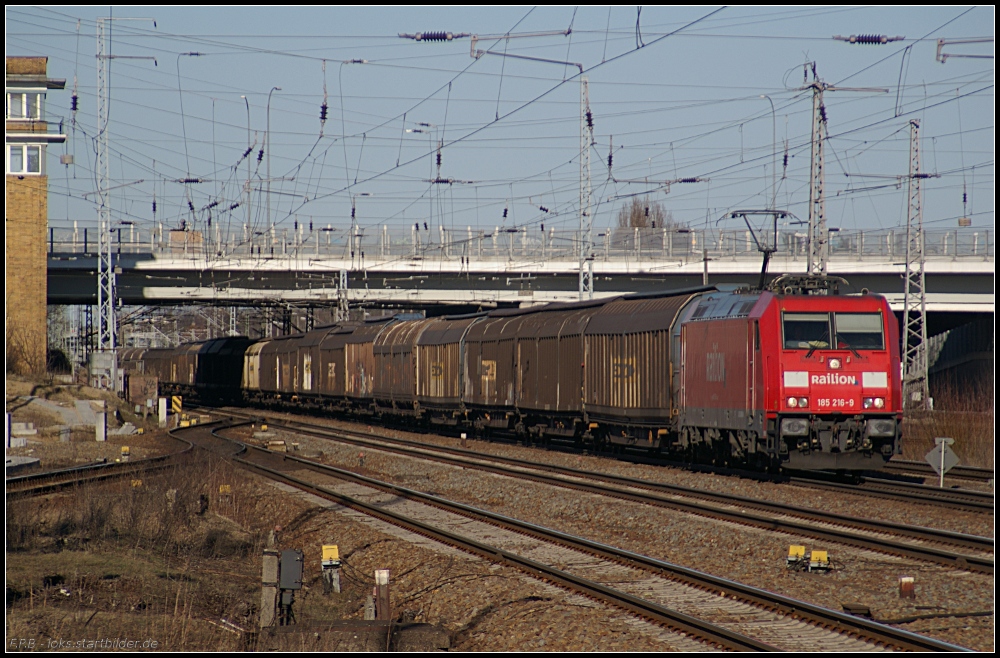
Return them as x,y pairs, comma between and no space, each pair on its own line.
332,370
550,360
308,360
440,355
251,366
360,359
490,363
628,362
396,364
278,365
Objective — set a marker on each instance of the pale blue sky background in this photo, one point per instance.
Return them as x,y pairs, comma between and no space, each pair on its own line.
685,104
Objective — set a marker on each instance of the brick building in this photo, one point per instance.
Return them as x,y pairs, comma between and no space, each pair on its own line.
27,136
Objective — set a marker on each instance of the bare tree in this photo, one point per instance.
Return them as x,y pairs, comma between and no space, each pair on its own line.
642,212
642,222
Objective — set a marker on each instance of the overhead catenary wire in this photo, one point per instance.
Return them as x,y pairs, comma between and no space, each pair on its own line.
370,140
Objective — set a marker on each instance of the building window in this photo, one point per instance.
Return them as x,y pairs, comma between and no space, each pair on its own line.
24,159
26,105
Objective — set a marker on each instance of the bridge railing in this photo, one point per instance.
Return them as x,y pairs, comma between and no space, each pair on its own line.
635,245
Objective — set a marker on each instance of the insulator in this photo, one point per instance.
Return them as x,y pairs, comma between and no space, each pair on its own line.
654,223
869,39
543,208
439,158
190,206
362,255
213,204
609,160
543,228
73,102
310,227
822,113
247,152
505,213
295,225
425,226
260,156
647,211
154,207
234,206
434,36
209,221
590,119
416,226
184,224
353,210
784,161
965,197
322,112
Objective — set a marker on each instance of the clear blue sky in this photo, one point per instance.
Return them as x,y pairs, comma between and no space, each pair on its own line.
675,92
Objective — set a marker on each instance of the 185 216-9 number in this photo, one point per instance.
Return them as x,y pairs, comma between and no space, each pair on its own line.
834,403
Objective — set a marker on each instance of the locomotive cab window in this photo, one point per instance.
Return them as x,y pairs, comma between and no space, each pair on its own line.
859,331
806,331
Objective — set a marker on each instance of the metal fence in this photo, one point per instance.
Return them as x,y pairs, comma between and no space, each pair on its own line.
368,246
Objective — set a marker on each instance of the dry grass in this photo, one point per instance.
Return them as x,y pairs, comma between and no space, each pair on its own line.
114,560
965,415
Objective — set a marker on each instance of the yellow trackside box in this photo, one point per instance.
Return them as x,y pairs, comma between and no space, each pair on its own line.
330,552
125,451
818,560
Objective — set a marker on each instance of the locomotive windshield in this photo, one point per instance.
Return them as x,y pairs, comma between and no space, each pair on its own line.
812,331
806,331
859,331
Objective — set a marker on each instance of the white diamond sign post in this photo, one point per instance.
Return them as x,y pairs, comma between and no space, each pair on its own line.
942,458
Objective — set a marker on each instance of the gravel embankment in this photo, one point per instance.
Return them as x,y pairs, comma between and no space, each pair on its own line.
749,555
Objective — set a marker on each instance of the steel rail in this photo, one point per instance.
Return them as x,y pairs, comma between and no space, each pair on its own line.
672,618
739,515
816,614
922,468
36,484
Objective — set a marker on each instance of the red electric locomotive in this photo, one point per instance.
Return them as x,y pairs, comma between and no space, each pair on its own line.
810,381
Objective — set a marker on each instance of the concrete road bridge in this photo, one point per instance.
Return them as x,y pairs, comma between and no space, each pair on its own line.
452,270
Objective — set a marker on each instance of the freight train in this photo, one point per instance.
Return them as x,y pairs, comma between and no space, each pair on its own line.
782,377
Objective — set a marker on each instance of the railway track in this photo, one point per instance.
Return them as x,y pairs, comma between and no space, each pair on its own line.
892,538
44,482
972,473
959,499
720,612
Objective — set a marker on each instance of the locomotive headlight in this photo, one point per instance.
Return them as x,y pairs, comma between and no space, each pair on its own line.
793,402
878,403
834,364
803,402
